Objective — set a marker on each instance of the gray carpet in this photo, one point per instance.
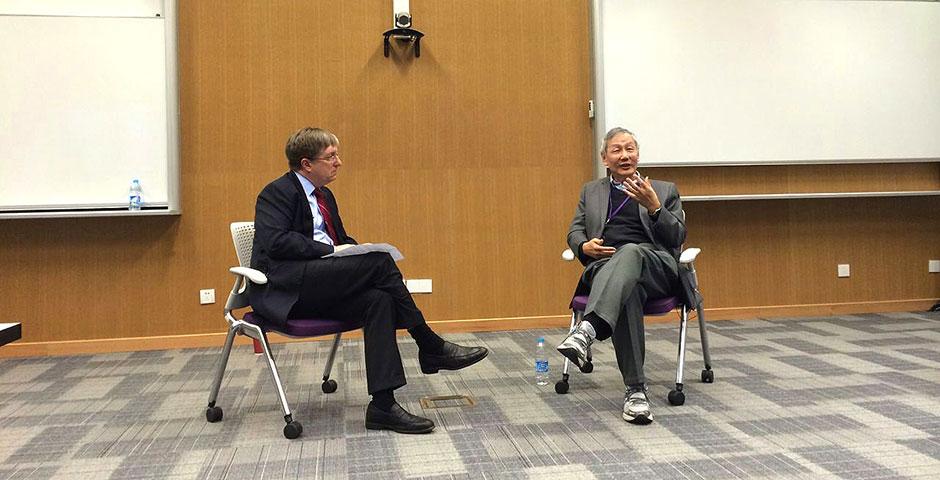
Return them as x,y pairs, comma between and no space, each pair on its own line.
852,397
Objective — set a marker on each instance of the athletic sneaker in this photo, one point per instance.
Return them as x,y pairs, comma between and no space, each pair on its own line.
576,345
636,406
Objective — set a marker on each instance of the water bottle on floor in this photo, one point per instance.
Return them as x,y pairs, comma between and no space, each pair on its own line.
541,363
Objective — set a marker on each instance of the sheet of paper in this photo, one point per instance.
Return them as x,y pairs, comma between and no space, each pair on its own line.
367,248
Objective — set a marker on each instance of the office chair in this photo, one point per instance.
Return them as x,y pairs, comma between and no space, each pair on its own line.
256,327
685,299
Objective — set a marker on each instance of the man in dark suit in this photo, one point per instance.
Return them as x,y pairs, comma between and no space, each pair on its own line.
297,224
627,231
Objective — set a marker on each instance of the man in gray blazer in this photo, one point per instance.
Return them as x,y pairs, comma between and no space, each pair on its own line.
627,231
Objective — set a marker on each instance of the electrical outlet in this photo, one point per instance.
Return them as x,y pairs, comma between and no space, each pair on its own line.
419,285
843,270
933,266
207,296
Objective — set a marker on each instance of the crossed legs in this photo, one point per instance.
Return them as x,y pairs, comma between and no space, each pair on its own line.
368,289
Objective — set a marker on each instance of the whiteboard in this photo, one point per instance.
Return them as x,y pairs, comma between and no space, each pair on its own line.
89,104
745,82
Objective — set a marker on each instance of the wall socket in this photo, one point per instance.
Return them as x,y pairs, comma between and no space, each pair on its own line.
419,285
206,296
933,266
843,270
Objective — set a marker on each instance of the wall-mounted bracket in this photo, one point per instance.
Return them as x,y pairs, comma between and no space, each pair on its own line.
404,35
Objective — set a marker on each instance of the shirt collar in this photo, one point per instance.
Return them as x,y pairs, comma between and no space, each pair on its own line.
306,184
618,185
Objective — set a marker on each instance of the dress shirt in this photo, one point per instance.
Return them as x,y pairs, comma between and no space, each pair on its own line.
319,226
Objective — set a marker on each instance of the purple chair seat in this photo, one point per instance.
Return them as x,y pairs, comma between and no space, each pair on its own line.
655,306
312,327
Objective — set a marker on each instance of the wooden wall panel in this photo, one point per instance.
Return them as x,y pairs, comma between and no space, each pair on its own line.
470,159
785,252
774,179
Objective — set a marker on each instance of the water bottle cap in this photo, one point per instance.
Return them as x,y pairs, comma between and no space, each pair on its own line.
541,339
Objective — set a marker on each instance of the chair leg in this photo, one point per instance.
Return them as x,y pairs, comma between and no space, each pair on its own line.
328,385
561,386
707,375
266,346
677,397
213,413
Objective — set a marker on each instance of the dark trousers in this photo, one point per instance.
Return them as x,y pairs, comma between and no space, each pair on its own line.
367,289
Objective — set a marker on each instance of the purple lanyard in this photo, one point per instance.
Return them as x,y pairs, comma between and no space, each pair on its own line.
610,204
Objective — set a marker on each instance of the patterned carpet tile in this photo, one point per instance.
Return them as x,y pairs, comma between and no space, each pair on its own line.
848,397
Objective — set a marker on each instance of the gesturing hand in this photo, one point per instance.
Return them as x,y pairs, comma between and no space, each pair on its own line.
641,190
594,248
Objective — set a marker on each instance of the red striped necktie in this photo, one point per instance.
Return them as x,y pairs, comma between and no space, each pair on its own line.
325,212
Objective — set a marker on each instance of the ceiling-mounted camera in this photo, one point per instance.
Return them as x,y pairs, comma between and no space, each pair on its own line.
402,30
402,20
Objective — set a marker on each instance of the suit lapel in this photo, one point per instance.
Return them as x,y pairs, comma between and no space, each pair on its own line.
306,215
601,199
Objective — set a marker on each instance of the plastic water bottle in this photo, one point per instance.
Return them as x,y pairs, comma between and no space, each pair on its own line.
136,200
541,363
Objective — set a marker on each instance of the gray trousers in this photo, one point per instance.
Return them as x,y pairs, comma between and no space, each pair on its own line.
619,287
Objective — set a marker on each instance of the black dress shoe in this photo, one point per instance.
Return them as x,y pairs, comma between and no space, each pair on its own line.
452,357
397,419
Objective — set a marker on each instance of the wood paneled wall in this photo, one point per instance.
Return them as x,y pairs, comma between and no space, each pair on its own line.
796,179
469,159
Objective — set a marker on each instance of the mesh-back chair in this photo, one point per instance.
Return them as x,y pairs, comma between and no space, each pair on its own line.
254,326
686,299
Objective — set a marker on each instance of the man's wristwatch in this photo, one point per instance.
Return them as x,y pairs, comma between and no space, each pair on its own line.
655,213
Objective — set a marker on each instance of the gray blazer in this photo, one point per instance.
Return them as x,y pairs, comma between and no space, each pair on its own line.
667,232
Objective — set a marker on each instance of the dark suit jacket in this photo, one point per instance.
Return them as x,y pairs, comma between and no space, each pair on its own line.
284,243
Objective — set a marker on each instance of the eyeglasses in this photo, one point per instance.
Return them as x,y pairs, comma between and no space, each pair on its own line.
330,158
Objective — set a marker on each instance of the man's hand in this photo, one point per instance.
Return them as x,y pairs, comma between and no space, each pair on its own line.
340,248
642,191
594,248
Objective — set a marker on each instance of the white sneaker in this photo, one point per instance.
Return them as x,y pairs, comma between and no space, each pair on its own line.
576,345
636,406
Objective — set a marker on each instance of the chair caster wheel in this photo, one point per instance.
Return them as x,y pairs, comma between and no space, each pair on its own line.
587,367
708,376
561,387
293,430
328,386
213,414
676,397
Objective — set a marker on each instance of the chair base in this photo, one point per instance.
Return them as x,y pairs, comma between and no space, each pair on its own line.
292,428
676,396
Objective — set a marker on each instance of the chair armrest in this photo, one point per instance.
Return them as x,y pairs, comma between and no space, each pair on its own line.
567,255
252,274
688,255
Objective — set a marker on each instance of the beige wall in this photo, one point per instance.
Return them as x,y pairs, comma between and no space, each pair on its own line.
469,159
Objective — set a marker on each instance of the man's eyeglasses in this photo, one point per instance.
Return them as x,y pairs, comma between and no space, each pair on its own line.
330,158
